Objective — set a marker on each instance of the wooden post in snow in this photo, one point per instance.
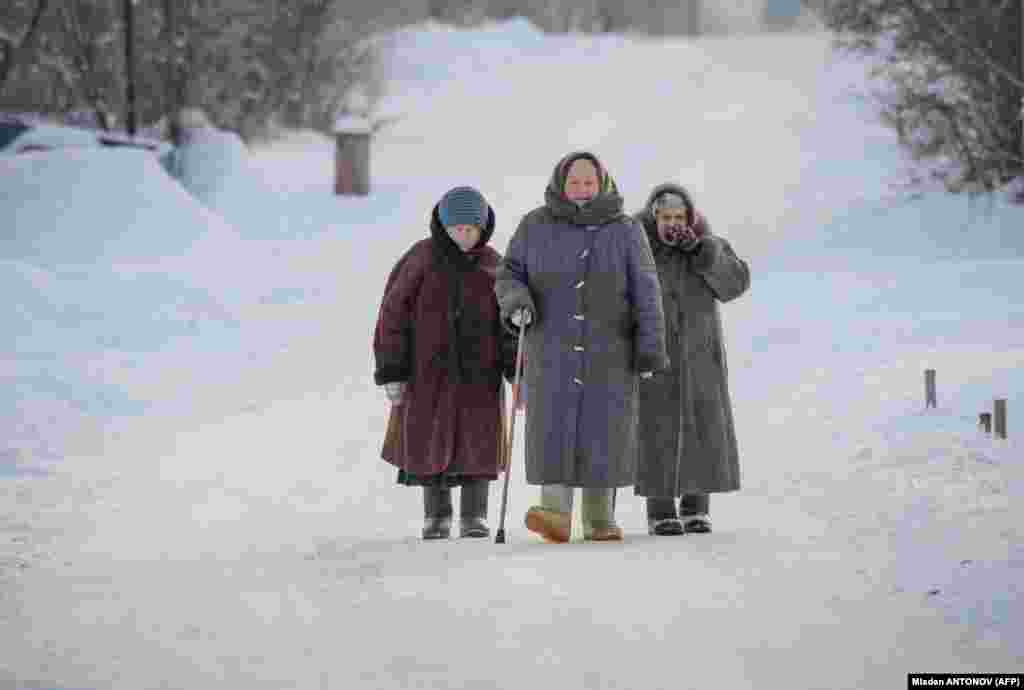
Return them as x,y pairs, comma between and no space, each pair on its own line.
930,398
352,155
693,18
1000,410
985,421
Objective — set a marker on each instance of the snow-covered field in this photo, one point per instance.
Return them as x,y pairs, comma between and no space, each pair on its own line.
190,495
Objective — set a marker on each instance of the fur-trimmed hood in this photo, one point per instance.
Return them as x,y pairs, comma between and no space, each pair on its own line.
645,216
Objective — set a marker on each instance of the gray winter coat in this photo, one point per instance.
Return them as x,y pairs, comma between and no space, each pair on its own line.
687,438
589,277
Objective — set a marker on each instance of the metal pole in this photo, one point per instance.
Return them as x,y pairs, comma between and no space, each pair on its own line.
499,538
129,64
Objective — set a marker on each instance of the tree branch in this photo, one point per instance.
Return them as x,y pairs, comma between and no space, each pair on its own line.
986,59
12,51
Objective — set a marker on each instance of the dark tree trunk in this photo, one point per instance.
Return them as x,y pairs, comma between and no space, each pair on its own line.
129,66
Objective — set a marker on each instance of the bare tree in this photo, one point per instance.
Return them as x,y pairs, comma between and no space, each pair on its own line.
91,34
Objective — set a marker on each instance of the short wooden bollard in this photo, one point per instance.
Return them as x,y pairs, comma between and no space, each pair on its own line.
1000,417
930,399
352,156
985,421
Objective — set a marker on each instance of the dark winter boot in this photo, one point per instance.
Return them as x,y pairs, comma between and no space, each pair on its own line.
437,511
662,519
694,509
473,509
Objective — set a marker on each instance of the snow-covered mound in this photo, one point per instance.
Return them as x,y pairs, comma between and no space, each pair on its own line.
88,207
215,167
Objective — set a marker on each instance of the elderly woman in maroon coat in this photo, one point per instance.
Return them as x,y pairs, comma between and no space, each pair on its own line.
440,353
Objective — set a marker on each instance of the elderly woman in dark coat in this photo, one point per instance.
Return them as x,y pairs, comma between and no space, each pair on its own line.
687,440
579,273
441,351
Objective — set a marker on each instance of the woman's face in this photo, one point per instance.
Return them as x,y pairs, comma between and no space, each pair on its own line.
466,236
671,222
581,182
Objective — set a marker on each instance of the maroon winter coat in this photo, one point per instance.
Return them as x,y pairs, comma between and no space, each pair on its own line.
438,330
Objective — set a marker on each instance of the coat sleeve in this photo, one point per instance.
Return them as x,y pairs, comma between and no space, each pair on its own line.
648,310
726,274
512,284
392,338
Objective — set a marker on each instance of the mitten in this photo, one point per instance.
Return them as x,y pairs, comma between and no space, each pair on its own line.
395,391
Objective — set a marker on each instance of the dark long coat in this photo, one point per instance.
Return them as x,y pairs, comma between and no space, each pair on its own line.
687,436
589,278
438,330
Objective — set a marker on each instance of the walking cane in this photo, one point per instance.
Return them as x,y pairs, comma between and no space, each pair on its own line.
499,538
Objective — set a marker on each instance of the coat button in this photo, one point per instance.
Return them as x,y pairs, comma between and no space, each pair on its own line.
584,254
580,284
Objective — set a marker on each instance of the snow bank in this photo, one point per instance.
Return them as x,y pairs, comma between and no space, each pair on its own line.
214,165
97,206
106,260
44,136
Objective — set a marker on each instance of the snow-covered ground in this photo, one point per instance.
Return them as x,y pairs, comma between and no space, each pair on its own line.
189,430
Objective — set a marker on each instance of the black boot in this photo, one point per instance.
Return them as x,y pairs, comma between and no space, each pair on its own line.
437,512
662,519
473,509
694,510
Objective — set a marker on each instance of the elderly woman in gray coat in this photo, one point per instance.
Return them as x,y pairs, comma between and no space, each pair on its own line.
580,276
687,440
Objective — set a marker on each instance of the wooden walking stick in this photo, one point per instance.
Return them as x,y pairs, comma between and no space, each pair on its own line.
499,538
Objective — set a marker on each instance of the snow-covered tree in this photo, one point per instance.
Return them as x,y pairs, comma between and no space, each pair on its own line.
20,26
247,63
950,82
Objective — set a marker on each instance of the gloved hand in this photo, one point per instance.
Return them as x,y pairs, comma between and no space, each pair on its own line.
522,317
646,374
684,237
689,240
395,391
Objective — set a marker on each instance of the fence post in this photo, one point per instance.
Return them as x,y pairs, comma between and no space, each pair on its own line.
352,155
930,399
1000,417
985,421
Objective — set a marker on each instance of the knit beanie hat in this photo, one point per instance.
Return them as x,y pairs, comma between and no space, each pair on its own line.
463,206
668,200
